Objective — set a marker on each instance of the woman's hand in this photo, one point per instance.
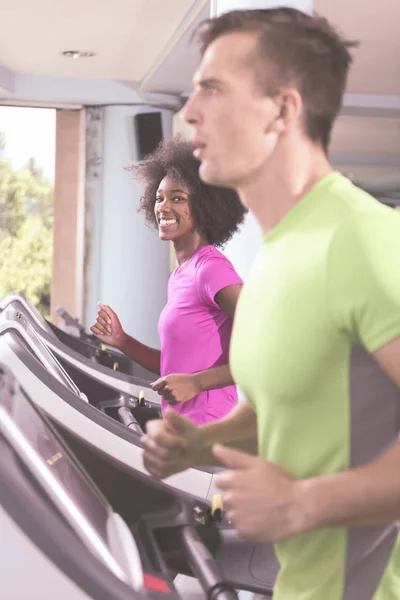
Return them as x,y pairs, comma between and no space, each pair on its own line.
107,326
177,388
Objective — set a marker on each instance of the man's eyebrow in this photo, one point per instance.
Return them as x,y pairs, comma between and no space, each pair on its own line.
207,82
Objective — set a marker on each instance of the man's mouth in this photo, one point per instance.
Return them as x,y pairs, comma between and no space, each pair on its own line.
199,148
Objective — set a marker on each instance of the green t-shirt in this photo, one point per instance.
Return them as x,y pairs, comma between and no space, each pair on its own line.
323,294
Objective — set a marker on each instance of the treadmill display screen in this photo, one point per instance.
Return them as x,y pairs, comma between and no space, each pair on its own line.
71,477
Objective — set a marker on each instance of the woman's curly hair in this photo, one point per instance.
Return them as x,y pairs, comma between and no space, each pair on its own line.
217,212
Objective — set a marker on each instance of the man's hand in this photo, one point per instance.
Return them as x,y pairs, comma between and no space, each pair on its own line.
170,445
177,388
261,498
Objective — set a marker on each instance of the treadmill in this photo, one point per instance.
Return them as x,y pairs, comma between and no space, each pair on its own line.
80,367
86,345
99,438
61,537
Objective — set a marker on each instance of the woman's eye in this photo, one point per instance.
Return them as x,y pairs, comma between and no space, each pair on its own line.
178,199
158,199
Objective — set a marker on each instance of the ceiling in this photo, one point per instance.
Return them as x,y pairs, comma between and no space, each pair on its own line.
134,41
143,47
124,34
376,68
133,46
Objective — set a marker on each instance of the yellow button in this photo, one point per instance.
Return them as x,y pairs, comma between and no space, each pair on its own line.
216,503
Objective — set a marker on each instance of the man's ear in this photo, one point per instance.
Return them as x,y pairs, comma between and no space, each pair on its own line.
291,106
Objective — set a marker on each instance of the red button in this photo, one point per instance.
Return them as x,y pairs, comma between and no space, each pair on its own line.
151,582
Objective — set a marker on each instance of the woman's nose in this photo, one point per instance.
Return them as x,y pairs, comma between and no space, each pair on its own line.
165,203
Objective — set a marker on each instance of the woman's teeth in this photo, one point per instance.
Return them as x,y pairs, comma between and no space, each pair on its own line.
167,222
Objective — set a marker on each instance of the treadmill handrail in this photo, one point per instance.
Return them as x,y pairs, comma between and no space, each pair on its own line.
41,351
114,379
32,311
69,319
85,364
204,566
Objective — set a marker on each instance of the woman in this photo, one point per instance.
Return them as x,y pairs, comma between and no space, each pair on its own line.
195,325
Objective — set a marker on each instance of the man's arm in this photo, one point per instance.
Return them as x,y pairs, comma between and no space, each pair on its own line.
266,503
366,495
175,444
238,430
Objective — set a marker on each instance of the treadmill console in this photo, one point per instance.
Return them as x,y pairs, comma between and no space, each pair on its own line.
66,484
18,301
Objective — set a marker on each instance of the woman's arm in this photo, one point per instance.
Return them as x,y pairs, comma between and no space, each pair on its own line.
218,377
228,297
180,387
108,329
147,357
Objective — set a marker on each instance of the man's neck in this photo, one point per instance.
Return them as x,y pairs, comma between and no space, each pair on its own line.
285,180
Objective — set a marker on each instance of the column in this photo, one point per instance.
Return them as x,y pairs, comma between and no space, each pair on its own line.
68,203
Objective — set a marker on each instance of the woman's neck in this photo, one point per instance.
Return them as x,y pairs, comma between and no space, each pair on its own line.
187,246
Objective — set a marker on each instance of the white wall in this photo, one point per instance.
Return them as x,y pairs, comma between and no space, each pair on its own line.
134,262
243,248
220,6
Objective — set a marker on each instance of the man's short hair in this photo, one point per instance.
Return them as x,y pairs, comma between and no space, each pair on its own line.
294,49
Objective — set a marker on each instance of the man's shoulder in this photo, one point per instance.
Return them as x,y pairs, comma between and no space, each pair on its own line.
367,225
352,218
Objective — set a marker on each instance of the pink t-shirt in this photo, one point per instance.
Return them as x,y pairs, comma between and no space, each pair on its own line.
195,333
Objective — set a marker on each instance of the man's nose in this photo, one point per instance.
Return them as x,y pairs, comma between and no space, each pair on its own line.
190,113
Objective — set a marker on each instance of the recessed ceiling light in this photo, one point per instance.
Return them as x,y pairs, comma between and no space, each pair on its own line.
78,54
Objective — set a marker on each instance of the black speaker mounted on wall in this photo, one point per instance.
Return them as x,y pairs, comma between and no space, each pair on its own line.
148,131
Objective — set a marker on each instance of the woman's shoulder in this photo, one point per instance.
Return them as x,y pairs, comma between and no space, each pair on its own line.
208,254
211,262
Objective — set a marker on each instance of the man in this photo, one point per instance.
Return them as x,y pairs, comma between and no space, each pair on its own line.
316,340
